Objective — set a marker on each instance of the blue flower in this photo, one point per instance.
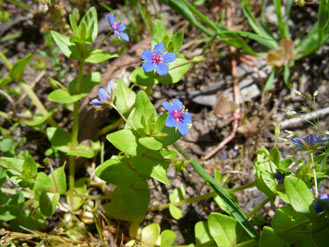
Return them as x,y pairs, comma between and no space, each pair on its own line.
324,197
157,59
103,96
311,140
279,176
178,116
117,27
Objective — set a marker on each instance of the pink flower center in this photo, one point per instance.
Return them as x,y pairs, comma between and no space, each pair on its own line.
116,27
157,58
178,115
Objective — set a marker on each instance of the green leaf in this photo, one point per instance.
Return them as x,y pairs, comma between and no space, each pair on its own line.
168,238
158,33
177,40
68,48
80,187
16,72
275,156
126,141
88,26
42,182
48,203
176,196
231,205
63,96
4,81
150,143
270,238
299,195
202,234
30,168
58,137
129,202
144,114
99,56
223,229
73,23
14,165
124,97
150,234
175,212
269,82
6,145
58,180
39,119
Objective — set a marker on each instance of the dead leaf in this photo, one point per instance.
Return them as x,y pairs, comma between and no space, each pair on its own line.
282,55
223,106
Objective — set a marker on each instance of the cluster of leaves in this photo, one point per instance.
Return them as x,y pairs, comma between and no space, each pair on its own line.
144,151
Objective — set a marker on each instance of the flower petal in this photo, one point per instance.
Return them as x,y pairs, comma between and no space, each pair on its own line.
169,57
148,66
159,48
326,138
162,69
103,95
187,117
183,129
96,102
298,142
124,36
171,121
121,27
177,104
109,88
110,19
168,106
147,55
312,139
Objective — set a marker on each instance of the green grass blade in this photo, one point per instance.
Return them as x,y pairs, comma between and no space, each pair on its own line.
255,25
231,205
283,27
180,7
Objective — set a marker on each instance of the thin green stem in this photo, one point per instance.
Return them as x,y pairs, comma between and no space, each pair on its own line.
202,197
201,16
75,127
5,60
100,43
34,98
248,243
314,175
259,206
123,117
110,127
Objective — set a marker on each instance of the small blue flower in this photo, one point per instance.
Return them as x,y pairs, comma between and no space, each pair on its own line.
324,197
178,116
103,96
157,59
311,140
117,27
279,176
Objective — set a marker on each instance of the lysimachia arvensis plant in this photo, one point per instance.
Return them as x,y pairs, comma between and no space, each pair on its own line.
144,141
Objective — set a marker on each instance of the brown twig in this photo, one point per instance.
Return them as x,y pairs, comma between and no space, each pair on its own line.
236,94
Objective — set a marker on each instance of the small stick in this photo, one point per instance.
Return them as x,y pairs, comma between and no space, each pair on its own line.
298,121
236,93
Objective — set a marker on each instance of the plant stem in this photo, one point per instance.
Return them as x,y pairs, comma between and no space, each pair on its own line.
248,243
75,127
314,176
259,206
35,100
110,127
202,197
5,60
123,117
